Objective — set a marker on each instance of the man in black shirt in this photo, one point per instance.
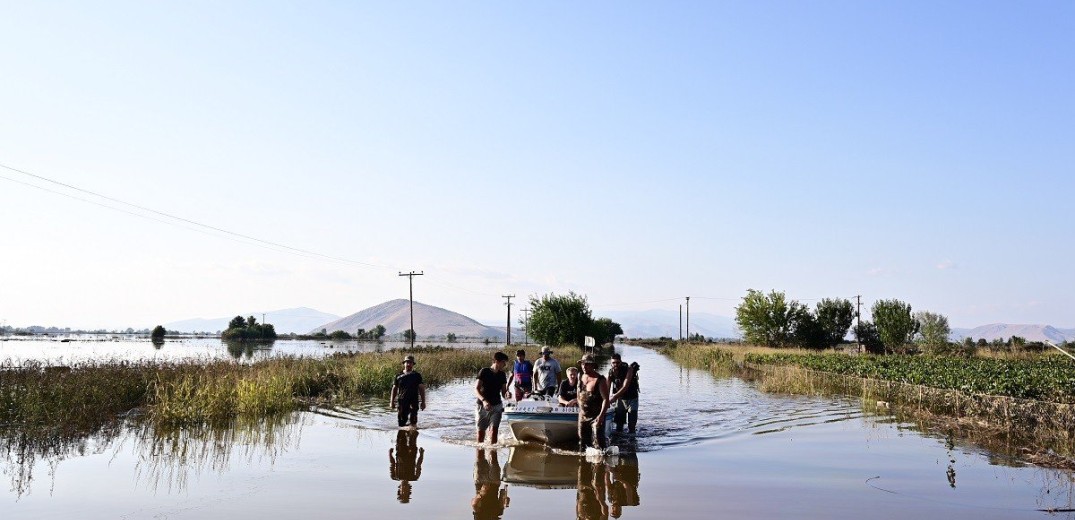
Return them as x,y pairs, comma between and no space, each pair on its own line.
490,387
410,391
624,380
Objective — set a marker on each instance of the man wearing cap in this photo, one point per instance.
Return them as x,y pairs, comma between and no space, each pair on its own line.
593,403
410,392
490,387
546,373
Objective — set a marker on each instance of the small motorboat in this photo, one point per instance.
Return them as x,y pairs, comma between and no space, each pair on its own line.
541,419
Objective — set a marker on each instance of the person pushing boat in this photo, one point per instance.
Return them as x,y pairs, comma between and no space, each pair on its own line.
593,403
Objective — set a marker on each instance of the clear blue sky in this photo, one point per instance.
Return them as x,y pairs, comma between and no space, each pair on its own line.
631,152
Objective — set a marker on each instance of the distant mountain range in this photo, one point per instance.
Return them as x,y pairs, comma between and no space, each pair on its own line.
429,322
435,322
1005,331
286,321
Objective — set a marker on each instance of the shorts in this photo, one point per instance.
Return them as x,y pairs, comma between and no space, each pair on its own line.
488,418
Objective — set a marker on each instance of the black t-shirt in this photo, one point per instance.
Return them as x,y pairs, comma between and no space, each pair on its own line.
567,391
407,383
492,381
616,379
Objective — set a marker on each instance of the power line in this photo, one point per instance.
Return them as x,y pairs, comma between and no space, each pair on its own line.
288,248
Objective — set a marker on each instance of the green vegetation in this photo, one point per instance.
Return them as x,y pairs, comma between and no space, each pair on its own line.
86,397
1046,378
375,333
158,333
567,320
773,321
894,323
248,330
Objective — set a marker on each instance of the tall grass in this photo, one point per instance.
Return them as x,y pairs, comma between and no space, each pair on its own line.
88,396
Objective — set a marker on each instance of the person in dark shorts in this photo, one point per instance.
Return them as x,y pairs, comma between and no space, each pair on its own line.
410,393
624,381
522,375
593,403
490,499
490,386
568,393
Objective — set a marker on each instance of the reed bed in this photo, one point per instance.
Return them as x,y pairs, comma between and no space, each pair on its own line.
88,396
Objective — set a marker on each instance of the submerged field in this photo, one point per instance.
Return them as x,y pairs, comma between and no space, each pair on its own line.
1027,400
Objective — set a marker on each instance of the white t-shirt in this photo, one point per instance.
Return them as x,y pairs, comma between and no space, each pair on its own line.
545,373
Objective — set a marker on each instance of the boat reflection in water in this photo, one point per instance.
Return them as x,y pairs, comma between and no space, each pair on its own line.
490,499
604,487
405,462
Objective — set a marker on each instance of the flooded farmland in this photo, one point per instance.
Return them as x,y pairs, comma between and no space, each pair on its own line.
706,447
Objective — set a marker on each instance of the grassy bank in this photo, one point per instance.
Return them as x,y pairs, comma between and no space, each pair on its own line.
88,396
1028,401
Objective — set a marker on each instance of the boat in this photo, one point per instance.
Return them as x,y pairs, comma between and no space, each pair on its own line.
543,420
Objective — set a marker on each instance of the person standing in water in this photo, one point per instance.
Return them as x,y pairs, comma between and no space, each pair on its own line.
624,380
490,385
522,374
593,403
546,373
410,392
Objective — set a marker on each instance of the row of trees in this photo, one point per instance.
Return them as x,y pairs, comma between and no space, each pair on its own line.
774,321
566,319
248,330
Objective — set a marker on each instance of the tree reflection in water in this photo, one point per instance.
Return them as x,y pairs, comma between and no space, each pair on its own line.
239,349
405,463
490,499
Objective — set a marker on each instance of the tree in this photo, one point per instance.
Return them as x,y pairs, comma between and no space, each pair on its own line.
894,323
866,334
560,319
933,331
378,331
451,337
605,330
767,319
158,333
339,335
409,335
834,317
806,330
237,323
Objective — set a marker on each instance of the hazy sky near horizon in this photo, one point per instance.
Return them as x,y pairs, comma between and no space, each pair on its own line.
633,152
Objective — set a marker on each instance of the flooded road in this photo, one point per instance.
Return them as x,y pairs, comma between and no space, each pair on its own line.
706,447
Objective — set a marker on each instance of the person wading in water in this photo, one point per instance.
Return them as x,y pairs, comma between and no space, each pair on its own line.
410,391
624,380
593,403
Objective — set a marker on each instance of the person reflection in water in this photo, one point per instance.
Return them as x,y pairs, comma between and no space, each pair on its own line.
489,500
592,488
623,484
405,463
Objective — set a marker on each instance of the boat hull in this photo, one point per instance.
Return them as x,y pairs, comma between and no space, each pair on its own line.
542,422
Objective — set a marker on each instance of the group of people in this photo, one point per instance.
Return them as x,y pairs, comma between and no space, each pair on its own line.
590,391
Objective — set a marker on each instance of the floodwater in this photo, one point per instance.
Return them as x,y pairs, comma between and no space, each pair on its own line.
706,447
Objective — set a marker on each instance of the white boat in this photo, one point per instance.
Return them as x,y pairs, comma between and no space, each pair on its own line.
542,419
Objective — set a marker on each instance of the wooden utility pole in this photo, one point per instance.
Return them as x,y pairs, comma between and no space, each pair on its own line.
509,297
681,322
410,277
688,319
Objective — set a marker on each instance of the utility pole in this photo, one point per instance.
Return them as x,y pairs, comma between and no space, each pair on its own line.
681,322
410,277
263,318
858,320
509,297
526,326
688,319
